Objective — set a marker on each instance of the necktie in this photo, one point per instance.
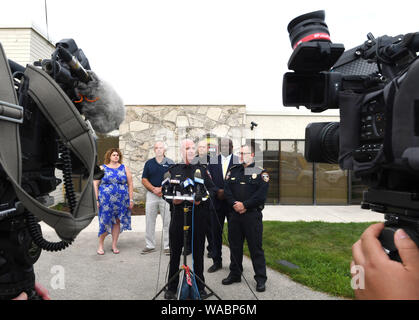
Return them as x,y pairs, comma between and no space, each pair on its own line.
225,166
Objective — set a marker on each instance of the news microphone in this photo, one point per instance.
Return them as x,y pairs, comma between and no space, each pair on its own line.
175,185
199,185
189,185
166,183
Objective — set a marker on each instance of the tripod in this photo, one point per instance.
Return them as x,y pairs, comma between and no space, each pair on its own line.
185,271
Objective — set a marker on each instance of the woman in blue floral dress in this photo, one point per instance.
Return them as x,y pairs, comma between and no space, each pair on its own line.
114,194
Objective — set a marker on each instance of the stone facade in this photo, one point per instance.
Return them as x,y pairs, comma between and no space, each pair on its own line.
144,125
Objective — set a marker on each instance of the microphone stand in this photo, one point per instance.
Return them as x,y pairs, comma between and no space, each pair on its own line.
182,270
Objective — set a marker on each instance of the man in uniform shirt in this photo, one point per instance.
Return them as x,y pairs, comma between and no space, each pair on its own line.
153,173
246,188
181,172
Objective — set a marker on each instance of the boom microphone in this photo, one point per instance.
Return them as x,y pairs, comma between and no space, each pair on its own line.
100,104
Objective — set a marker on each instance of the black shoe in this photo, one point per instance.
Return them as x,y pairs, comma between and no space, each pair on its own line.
231,279
203,294
260,286
170,295
215,267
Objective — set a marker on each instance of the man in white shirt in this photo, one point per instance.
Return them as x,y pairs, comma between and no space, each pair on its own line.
218,168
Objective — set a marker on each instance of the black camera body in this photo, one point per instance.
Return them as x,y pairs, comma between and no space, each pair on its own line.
375,88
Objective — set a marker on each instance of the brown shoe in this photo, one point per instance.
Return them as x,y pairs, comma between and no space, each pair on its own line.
148,250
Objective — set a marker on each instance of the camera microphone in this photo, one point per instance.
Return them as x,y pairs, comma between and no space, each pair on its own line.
106,111
74,64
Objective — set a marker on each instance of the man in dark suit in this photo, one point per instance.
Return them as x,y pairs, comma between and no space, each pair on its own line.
218,168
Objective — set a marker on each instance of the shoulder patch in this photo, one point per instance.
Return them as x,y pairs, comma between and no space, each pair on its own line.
265,176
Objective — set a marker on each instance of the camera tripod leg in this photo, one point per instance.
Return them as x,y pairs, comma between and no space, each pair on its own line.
206,286
167,283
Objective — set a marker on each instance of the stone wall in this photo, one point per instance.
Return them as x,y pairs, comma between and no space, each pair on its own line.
144,125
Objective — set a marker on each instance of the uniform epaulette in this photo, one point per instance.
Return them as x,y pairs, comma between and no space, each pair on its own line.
234,166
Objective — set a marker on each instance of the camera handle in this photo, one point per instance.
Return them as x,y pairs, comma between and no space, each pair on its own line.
387,236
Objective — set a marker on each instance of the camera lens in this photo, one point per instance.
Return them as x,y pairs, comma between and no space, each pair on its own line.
308,27
322,142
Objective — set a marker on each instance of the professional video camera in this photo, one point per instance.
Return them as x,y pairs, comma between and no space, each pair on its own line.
45,115
375,87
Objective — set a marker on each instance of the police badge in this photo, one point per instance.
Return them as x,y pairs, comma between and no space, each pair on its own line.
265,176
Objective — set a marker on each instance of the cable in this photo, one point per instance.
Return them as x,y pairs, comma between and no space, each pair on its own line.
192,242
38,239
67,172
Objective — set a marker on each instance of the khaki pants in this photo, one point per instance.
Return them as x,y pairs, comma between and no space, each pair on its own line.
155,204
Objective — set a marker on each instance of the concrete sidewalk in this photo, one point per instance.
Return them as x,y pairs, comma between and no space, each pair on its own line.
130,275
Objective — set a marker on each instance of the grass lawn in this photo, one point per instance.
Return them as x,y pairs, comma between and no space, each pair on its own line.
322,251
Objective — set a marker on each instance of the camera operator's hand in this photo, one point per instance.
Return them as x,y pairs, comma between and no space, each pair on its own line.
40,290
385,278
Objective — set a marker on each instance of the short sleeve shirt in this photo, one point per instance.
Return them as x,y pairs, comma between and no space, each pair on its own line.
154,171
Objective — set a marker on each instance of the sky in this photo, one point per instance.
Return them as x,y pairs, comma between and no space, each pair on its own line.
189,52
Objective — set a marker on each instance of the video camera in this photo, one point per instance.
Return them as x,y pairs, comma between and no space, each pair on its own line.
45,115
375,87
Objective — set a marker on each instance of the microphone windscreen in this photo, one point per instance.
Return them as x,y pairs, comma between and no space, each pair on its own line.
166,177
105,109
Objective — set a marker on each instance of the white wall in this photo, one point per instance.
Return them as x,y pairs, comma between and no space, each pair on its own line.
271,126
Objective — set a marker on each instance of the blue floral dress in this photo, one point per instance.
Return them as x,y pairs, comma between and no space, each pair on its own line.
114,200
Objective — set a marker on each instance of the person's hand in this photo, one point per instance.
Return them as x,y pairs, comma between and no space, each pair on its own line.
220,194
131,204
40,290
177,201
385,278
239,207
158,191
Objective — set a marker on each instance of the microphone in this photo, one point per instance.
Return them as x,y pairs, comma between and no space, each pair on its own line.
200,186
166,183
105,110
189,184
175,185
74,64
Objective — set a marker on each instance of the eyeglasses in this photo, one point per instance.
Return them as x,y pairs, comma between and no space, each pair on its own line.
243,153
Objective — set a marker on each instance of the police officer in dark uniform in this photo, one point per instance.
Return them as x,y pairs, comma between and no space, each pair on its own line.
182,172
246,188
